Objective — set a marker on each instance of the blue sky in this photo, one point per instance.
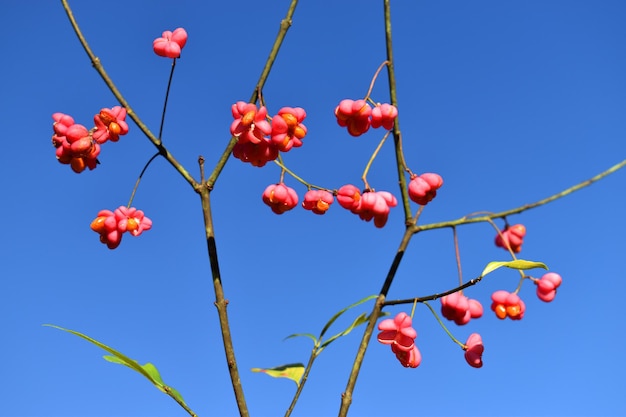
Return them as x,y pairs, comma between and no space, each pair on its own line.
509,101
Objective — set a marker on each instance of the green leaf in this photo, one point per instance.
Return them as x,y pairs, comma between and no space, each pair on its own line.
516,264
120,357
309,335
293,371
363,318
148,370
153,372
337,315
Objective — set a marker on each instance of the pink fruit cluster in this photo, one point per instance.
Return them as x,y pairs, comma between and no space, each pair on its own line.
384,115
287,128
369,205
110,124
357,116
259,141
423,188
111,225
318,201
547,285
474,350
170,44
280,198
78,147
511,237
506,304
399,333
460,309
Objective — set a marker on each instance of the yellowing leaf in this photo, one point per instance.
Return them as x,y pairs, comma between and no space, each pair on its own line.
293,371
516,264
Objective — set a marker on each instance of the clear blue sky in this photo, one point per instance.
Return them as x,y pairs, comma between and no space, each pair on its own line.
509,101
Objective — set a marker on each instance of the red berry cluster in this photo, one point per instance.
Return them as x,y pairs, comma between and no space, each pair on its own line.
506,304
474,350
79,147
460,309
170,44
369,205
423,188
384,115
357,116
111,225
547,285
280,198
259,140
318,201
287,128
511,237
399,333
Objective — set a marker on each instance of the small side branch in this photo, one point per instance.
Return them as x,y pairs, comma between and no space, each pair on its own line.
520,209
433,297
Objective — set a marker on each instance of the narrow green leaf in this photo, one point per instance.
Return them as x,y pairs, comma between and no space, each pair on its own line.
293,371
309,335
122,359
337,315
148,370
115,359
155,377
516,264
154,373
363,318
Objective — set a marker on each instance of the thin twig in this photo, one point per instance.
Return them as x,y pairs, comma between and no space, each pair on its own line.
176,398
435,296
520,209
281,164
369,91
132,195
443,326
167,95
457,255
371,160
303,380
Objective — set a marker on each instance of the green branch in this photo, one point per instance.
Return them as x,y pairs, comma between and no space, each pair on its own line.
520,209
